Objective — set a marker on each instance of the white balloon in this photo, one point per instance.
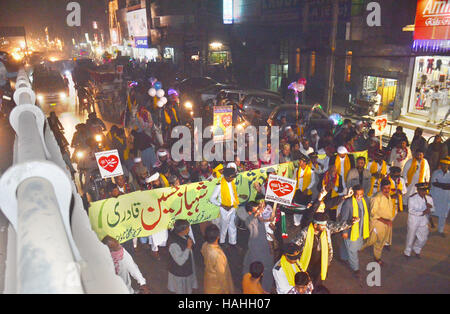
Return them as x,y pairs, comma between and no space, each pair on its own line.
164,100
152,92
160,93
160,103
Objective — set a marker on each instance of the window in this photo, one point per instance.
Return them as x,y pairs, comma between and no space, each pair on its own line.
348,66
312,64
297,60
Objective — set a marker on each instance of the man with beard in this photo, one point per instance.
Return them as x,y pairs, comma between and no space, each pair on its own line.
416,170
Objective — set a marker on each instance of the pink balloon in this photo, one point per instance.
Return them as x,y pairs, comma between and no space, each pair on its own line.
296,87
302,81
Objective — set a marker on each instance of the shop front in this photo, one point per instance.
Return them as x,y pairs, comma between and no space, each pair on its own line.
429,97
379,89
430,83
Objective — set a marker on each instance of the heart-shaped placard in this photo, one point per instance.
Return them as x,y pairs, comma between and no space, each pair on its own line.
381,124
109,163
281,189
226,120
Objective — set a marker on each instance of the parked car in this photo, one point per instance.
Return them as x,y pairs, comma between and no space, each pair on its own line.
194,84
262,101
316,119
52,94
190,98
210,92
233,95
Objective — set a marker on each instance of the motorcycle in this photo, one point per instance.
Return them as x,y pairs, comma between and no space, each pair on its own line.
369,108
6,102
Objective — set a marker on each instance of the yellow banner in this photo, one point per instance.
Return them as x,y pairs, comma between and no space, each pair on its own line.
143,213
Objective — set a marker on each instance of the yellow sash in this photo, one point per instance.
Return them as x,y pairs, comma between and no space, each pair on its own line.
333,191
412,171
307,250
306,179
347,165
374,169
400,196
165,181
168,119
288,271
355,228
216,171
175,114
129,103
225,195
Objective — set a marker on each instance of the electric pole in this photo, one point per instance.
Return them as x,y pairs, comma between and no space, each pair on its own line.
332,58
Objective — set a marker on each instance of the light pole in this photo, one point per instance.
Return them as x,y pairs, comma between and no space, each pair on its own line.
332,58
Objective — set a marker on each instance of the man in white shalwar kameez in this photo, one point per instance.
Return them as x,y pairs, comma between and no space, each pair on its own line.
416,177
226,220
420,206
440,191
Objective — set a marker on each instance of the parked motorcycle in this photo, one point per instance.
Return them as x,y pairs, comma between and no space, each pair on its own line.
370,108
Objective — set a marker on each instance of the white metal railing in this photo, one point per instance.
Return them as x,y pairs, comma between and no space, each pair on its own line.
36,199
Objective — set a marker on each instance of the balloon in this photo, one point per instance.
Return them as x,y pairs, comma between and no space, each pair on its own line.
164,100
160,93
158,85
336,118
172,92
152,92
302,81
160,103
296,87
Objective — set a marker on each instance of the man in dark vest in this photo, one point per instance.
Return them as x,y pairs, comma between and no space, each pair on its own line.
182,278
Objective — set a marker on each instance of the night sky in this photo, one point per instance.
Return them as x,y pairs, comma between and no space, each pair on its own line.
35,15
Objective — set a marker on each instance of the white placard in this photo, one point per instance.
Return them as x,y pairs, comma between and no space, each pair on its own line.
108,163
380,124
280,190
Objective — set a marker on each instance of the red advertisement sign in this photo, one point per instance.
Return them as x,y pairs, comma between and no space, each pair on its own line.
432,20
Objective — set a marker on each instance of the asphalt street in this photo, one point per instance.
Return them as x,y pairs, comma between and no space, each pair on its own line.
428,275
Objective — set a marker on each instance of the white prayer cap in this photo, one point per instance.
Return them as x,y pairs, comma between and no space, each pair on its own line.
162,153
232,165
314,132
137,160
342,150
152,178
288,127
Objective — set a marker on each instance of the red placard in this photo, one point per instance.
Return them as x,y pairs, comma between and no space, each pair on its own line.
432,20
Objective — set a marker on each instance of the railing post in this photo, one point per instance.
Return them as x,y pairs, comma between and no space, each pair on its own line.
45,260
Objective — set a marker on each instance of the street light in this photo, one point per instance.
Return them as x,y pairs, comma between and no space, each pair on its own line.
216,45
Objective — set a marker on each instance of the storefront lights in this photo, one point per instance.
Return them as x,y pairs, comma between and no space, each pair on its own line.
216,45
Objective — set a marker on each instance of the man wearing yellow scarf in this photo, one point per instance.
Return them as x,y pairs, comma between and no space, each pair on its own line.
333,183
357,206
285,269
306,180
398,190
226,198
416,170
381,216
314,242
378,170
344,162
